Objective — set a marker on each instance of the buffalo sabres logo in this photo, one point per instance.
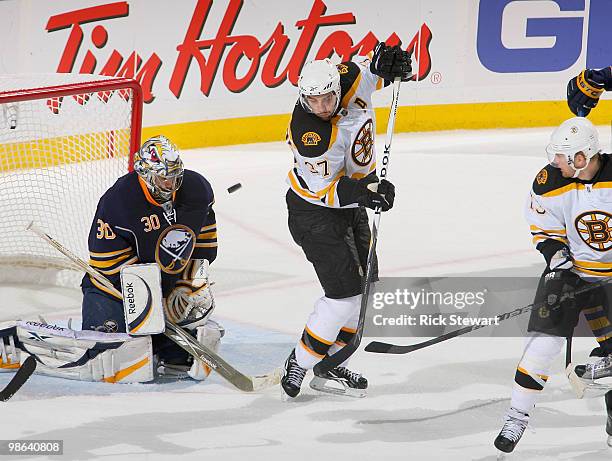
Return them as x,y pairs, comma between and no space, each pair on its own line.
542,177
310,138
594,229
362,147
174,248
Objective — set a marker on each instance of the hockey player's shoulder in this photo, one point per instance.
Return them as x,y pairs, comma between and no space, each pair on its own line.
310,135
349,74
550,181
605,174
124,187
196,187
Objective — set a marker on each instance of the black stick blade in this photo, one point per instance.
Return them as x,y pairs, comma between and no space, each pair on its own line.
386,348
332,361
22,375
378,347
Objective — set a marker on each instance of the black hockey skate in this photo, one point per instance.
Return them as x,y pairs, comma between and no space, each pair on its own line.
609,422
512,431
340,381
293,375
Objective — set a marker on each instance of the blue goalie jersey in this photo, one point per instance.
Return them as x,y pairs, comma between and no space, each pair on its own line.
130,227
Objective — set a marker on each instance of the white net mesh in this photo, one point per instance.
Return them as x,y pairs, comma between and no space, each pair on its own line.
57,157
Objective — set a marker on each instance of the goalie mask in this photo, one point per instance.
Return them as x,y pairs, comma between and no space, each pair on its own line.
319,79
159,164
576,135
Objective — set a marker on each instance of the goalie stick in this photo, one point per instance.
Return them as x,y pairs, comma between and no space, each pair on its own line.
388,348
177,334
23,374
332,361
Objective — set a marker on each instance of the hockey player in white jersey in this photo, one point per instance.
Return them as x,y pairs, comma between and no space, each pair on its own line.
569,210
333,180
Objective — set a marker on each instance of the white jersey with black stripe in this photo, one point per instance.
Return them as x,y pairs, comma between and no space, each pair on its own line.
577,213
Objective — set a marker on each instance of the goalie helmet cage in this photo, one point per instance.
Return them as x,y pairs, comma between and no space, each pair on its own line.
64,140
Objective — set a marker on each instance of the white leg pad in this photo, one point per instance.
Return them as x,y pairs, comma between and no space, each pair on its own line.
328,317
87,355
209,335
540,352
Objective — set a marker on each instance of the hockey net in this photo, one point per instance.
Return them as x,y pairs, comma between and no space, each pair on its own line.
64,140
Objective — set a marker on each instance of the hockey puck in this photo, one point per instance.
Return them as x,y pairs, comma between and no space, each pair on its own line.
234,188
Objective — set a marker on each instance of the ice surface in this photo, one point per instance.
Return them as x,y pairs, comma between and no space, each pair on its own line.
458,211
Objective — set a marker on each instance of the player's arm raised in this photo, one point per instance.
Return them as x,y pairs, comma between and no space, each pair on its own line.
585,89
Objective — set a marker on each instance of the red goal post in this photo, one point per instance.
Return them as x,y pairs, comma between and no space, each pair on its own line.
64,139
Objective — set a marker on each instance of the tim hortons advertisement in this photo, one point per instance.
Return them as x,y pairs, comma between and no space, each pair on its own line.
200,60
207,59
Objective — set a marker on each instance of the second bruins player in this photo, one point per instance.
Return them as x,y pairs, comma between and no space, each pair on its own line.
333,180
569,210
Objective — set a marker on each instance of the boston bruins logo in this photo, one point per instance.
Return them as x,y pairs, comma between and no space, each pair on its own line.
542,177
342,69
594,229
310,138
174,248
362,147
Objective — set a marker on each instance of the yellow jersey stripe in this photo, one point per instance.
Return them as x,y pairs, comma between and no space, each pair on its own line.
563,190
593,264
118,268
110,262
110,253
209,227
206,245
101,287
295,185
351,92
548,231
602,273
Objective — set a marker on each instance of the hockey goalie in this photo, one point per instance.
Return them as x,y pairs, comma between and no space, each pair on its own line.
151,241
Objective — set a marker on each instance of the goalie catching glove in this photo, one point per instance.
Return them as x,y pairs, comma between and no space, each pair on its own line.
191,302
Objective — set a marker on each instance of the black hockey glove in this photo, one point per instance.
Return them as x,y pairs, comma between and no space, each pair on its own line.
556,254
366,192
560,282
559,287
389,62
584,90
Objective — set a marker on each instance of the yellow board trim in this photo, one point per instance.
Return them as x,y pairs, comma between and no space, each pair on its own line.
468,116
270,128
58,150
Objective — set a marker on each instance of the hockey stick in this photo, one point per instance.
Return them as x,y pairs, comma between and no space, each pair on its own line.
23,374
177,334
387,348
332,361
